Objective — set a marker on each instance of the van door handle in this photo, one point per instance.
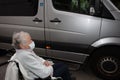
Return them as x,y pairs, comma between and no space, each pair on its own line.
37,20
55,20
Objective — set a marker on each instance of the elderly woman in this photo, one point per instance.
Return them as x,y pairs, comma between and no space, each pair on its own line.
35,66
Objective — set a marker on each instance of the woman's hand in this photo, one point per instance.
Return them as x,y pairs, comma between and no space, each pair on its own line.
46,63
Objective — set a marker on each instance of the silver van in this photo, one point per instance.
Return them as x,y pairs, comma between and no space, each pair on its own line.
70,30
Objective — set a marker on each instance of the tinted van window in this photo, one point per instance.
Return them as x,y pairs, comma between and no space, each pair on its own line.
77,6
116,3
18,7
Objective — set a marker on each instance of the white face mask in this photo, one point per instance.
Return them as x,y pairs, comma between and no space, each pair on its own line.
32,45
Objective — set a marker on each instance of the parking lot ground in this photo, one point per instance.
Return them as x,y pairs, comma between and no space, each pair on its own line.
82,73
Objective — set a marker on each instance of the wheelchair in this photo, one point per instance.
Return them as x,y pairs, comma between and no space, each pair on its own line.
3,67
20,74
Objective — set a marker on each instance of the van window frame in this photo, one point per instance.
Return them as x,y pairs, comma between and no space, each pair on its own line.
115,4
106,13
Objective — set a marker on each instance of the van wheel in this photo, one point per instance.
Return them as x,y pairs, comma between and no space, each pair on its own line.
106,65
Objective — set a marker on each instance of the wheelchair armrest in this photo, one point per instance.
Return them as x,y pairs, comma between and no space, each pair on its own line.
56,78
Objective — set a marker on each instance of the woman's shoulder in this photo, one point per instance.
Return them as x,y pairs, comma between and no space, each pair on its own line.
23,53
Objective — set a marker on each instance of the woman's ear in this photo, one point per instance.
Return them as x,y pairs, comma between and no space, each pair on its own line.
21,46
24,46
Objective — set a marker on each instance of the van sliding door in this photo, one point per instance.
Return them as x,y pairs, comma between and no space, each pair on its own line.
71,28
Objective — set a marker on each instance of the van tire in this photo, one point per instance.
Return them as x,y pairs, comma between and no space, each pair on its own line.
105,63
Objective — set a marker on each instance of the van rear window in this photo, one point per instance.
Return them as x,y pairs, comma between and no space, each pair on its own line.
116,3
18,7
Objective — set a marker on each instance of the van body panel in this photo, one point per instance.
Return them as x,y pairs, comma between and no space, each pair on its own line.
11,24
112,8
74,28
106,41
68,56
69,38
110,28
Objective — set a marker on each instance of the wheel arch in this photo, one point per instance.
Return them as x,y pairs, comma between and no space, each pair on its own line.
104,44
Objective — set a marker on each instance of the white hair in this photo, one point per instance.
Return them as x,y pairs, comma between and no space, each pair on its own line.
19,38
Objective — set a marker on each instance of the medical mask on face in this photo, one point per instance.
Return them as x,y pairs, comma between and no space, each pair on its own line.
32,45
